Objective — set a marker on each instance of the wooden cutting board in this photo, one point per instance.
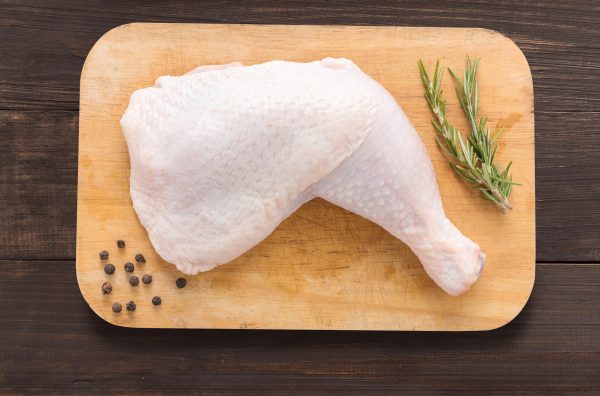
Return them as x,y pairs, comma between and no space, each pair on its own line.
322,268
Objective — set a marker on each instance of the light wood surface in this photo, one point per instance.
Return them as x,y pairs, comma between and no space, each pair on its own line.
323,268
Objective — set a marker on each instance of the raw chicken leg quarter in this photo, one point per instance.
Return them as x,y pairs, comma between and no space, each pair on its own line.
221,155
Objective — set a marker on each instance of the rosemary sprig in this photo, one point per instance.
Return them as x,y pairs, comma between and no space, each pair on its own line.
473,159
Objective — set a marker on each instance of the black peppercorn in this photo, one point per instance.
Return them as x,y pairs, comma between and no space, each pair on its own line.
106,288
109,269
103,255
134,281
181,282
129,267
156,300
140,258
130,306
147,279
120,244
116,307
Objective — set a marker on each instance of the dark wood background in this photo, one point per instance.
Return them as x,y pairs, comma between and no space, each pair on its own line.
51,342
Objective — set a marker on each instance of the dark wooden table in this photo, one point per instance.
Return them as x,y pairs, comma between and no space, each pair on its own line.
51,342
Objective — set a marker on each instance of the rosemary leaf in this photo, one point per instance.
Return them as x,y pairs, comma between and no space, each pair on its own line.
473,158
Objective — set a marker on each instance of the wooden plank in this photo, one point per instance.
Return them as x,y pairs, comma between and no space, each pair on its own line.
52,341
568,187
38,184
555,38
310,273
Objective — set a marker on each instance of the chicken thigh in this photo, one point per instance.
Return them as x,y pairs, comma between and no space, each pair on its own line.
221,155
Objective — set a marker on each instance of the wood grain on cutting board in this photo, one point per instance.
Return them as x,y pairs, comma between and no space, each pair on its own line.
322,268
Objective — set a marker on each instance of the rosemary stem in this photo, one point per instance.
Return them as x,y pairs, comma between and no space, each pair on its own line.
503,203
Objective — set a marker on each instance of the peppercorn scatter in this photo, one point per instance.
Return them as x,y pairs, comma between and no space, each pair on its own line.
109,269
106,288
180,282
133,280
